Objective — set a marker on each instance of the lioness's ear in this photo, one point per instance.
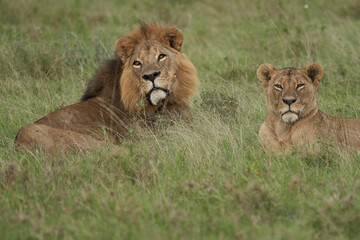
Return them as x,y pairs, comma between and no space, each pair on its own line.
123,48
172,37
265,72
314,71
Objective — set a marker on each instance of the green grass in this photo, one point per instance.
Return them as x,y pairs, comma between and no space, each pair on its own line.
210,182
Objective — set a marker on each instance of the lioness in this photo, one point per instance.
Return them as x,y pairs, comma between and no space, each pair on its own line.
149,79
294,120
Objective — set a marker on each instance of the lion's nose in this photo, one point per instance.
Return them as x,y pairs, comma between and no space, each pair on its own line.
152,76
289,101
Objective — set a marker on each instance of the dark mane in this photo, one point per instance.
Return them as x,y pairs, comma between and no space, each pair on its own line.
105,82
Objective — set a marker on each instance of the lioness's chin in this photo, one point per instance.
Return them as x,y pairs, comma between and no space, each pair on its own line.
155,96
290,117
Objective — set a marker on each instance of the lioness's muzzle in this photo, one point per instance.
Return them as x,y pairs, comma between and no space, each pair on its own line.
290,111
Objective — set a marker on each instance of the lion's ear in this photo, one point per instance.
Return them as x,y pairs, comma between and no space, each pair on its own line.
172,37
124,48
265,72
314,71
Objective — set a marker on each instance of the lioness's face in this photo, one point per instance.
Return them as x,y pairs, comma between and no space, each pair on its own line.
291,92
154,67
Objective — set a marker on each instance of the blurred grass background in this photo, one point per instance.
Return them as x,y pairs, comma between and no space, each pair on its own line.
210,182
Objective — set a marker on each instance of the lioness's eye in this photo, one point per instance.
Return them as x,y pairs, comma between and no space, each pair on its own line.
278,87
137,64
161,57
300,86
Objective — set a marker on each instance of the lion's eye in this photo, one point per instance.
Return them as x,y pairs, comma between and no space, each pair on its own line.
161,57
137,64
300,86
278,87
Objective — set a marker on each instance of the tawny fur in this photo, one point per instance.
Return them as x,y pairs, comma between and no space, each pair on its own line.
281,134
118,98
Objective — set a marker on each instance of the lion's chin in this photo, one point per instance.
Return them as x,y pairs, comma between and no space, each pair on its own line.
155,96
289,117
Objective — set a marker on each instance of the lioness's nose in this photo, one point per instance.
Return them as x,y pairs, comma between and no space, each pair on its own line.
289,101
151,76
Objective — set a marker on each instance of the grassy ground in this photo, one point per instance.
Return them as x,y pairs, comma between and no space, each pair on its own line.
214,182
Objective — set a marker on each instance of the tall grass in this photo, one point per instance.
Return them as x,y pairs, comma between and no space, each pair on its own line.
211,181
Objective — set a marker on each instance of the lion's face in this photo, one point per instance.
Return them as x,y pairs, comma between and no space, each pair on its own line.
291,92
155,70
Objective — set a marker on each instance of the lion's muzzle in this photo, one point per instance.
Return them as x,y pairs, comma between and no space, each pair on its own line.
151,76
156,95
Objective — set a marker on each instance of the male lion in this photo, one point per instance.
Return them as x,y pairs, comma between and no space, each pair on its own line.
149,79
294,120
